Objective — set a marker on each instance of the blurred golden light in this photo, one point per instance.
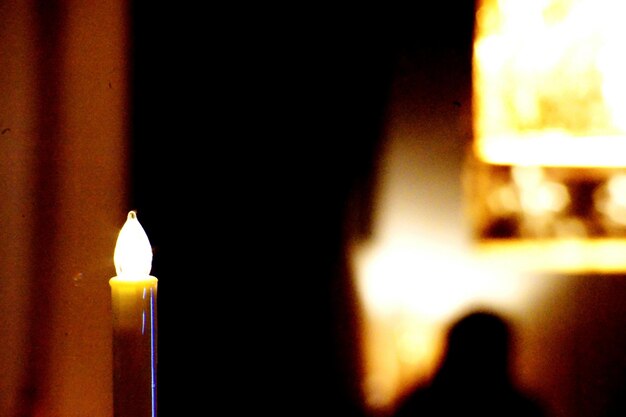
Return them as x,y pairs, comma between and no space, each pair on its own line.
548,82
542,189
549,127
410,289
432,282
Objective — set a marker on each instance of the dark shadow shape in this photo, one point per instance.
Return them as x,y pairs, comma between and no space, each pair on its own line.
474,377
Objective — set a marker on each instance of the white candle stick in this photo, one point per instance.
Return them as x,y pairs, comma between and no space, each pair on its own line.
133,295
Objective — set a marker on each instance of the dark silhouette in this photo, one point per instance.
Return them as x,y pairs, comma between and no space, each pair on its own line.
474,377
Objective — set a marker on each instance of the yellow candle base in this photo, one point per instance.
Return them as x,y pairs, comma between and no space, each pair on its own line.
134,346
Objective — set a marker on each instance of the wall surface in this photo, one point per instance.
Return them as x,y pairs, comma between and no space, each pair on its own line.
64,159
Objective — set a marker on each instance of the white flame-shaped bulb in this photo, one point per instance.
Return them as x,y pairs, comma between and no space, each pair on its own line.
133,253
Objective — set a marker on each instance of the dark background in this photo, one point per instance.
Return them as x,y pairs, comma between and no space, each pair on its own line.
255,134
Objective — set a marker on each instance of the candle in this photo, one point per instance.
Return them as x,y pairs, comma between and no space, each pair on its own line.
133,296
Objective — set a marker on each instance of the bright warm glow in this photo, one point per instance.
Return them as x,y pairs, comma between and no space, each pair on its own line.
537,195
558,255
411,289
610,200
133,253
549,85
434,283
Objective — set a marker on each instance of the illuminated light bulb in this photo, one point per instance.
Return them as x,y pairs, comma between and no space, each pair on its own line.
133,253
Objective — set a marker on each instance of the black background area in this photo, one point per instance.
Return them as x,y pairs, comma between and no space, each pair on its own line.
255,136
